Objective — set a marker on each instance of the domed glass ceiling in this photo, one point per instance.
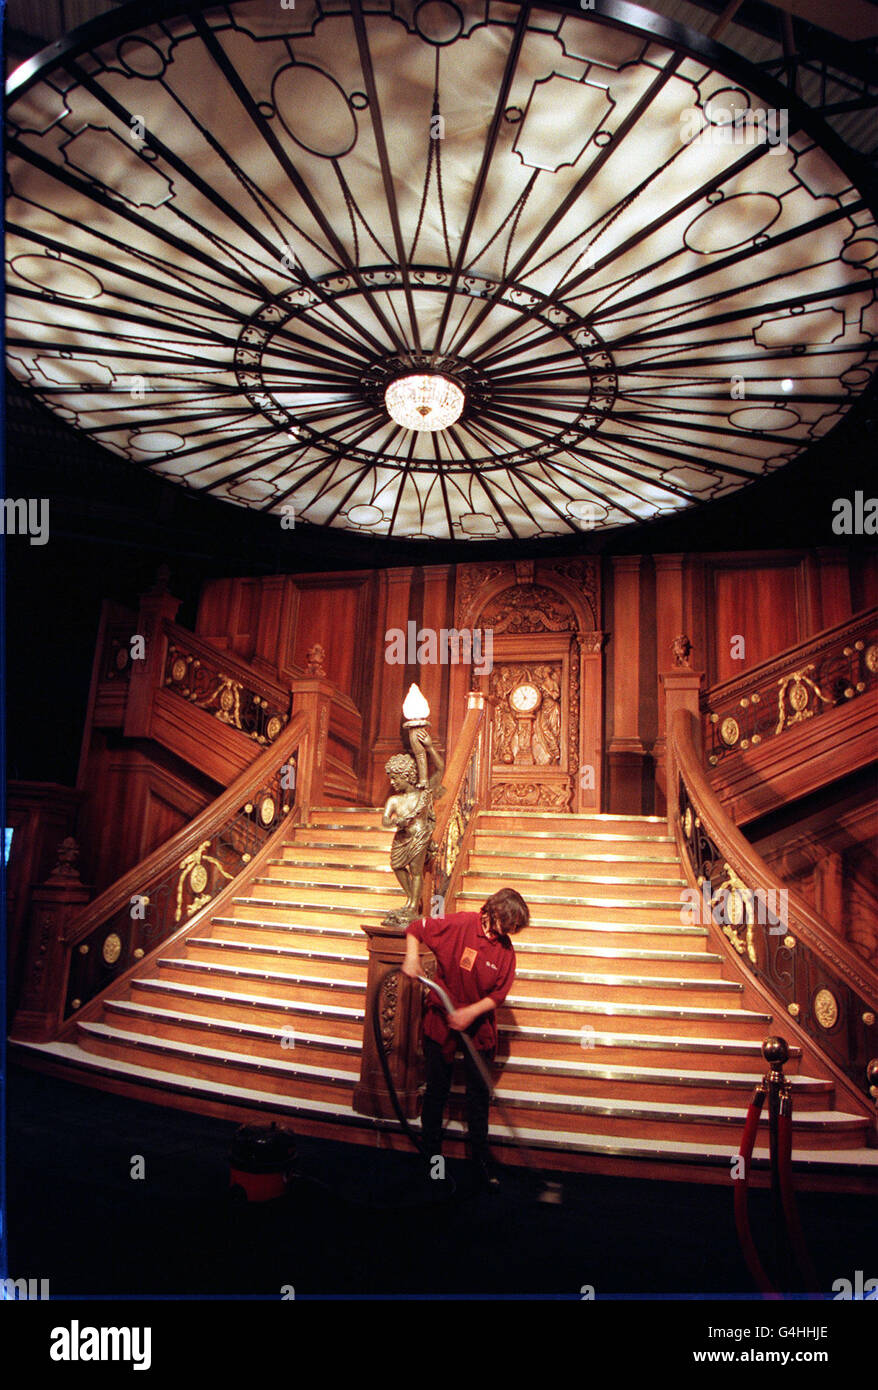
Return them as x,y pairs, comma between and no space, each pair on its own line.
232,229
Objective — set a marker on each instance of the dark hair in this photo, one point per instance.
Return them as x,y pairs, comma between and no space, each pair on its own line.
509,910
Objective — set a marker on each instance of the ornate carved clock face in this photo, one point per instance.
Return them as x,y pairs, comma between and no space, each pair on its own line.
524,699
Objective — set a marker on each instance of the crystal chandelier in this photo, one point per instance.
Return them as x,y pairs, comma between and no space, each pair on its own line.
421,402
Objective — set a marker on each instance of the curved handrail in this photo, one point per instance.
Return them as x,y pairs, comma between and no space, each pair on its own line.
809,679
186,840
466,782
772,955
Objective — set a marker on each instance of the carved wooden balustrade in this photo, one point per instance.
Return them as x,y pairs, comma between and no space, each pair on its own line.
76,952
803,683
467,781
827,994
223,686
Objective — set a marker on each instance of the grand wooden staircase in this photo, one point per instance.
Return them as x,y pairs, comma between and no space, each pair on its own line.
626,1044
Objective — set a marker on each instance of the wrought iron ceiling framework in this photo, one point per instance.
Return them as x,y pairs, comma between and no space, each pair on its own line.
229,229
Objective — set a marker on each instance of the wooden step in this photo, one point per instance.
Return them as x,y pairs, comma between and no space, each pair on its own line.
344,856
632,929
319,1016
638,987
268,910
326,936
623,1017
262,1040
612,960
318,893
351,876
287,1076
621,867
594,1079
633,1119
581,888
522,843
275,982
601,1043
340,965
568,823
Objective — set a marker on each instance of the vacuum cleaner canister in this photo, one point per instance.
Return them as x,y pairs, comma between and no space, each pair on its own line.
262,1161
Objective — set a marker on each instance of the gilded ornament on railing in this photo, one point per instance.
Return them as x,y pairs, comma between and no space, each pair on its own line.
798,689
730,732
453,836
775,698
195,874
112,948
227,699
826,1008
738,916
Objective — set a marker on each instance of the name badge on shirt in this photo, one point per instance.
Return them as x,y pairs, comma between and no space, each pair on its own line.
468,959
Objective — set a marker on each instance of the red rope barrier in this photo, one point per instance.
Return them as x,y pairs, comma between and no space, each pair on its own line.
742,1217
788,1196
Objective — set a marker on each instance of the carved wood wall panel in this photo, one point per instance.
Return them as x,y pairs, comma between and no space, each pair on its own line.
543,617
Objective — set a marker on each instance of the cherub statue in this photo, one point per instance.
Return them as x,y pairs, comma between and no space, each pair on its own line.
681,649
410,811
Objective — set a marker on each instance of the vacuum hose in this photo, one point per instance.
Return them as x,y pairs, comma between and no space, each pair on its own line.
551,1190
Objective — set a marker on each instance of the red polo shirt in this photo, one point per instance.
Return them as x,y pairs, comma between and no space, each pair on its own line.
470,968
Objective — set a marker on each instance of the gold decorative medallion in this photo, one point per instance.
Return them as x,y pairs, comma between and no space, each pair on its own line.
729,732
799,697
226,698
825,1008
179,669
793,1009
121,658
871,658
687,822
198,878
869,1018
112,948
273,727
734,904
267,808
789,942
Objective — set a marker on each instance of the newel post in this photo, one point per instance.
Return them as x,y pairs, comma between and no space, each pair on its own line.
312,695
148,655
54,906
682,689
400,1024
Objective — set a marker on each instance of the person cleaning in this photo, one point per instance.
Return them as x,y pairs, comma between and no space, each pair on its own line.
476,967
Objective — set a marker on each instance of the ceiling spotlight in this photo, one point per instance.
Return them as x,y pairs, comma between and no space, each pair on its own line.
424,402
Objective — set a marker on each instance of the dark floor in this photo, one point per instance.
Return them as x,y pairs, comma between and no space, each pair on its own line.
77,1217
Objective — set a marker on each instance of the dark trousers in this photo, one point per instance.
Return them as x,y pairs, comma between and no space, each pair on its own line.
438,1086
